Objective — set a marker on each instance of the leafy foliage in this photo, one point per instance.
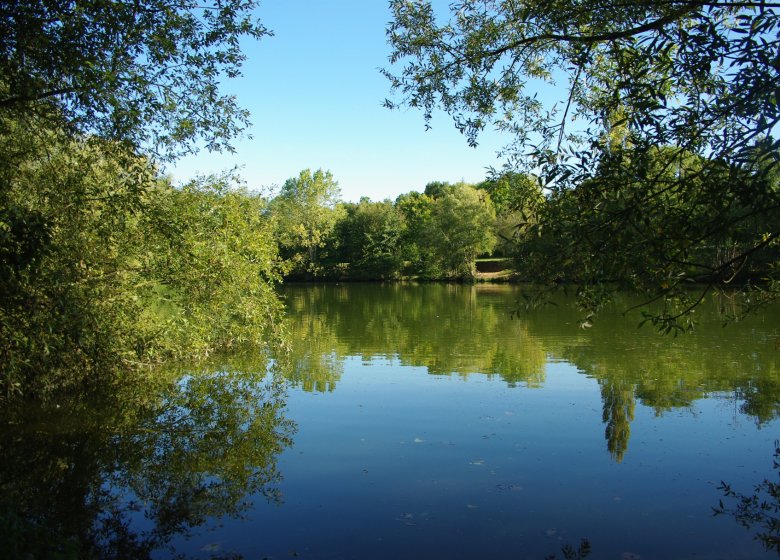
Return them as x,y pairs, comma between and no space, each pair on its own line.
147,73
668,174
419,255
221,284
370,238
305,212
517,198
107,267
461,229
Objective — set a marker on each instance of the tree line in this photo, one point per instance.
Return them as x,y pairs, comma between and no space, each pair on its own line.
109,267
435,234
440,232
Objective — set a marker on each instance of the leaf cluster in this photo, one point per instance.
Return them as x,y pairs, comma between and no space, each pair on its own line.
108,268
649,125
146,73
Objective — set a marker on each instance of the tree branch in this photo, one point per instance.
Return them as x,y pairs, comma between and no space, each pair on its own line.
11,101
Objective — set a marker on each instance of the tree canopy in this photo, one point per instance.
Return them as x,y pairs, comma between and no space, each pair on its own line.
305,212
144,72
105,265
461,228
640,109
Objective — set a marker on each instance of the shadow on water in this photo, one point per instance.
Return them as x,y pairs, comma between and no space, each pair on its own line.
120,475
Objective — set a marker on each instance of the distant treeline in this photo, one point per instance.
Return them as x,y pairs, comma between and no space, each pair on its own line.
550,238
435,234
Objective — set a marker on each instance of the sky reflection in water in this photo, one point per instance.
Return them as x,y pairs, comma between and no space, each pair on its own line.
431,424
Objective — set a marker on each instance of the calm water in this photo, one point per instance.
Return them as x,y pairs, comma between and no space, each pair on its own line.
427,422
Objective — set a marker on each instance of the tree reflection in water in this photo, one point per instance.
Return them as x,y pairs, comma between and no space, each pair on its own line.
618,413
121,475
759,511
471,330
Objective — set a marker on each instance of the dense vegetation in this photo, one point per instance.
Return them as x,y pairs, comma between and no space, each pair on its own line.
667,179
435,234
106,267
652,135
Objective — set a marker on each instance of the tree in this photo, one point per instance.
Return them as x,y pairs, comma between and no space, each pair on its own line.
107,268
435,189
461,229
210,257
370,239
144,72
416,208
306,212
97,249
517,198
697,79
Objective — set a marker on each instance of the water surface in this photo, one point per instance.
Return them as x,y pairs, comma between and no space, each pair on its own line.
432,422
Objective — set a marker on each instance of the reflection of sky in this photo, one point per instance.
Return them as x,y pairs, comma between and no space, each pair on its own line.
396,463
394,458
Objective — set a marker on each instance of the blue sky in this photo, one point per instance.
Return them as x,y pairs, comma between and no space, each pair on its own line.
315,94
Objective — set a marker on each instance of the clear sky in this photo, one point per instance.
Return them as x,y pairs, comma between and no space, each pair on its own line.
315,94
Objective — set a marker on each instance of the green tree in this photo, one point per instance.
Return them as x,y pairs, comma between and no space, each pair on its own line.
69,232
106,267
461,229
306,212
97,250
417,208
213,264
370,239
147,72
517,198
695,78
435,189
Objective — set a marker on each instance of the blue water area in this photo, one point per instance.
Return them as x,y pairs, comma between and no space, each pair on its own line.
397,463
407,422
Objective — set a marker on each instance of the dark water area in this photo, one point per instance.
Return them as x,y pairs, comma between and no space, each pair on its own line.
422,422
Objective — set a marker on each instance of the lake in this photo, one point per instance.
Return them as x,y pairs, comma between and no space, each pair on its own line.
429,421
